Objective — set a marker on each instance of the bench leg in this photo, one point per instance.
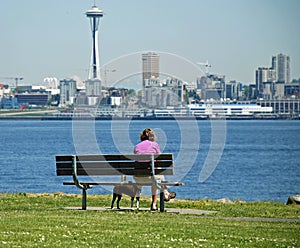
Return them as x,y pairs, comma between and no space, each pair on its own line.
161,201
83,199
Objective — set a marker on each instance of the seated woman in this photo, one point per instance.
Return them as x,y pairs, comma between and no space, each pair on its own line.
148,145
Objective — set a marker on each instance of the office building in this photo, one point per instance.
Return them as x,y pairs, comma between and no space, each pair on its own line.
264,79
36,99
281,65
68,91
292,89
164,93
93,87
150,69
212,86
234,90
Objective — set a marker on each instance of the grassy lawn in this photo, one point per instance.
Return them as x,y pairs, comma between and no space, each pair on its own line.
41,220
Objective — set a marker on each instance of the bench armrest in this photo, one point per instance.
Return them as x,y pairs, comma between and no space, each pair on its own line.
75,177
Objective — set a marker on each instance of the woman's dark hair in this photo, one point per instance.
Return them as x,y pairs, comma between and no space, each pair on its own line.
148,134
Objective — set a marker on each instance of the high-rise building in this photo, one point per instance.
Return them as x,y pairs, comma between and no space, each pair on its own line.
270,82
212,86
234,90
264,76
169,92
93,87
68,91
150,69
281,65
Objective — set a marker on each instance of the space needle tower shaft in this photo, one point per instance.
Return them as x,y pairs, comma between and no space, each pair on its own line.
94,15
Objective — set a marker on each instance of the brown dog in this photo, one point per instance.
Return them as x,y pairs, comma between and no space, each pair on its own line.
128,189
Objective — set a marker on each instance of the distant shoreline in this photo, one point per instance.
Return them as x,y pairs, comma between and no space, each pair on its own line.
53,118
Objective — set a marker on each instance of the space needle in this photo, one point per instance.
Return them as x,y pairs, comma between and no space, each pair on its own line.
94,15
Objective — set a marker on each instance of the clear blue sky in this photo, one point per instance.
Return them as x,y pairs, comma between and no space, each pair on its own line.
53,38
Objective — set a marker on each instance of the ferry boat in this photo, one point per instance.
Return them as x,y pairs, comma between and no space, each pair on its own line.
214,110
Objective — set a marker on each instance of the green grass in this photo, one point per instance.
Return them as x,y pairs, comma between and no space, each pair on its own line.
41,220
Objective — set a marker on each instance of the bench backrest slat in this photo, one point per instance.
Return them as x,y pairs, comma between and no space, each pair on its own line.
109,172
114,157
114,164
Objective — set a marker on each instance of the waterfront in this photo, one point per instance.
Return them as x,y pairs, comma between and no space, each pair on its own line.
260,160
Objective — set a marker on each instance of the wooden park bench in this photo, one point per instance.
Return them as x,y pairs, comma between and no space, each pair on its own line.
83,168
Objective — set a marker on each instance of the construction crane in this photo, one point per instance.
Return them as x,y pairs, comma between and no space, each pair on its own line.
16,80
206,65
106,70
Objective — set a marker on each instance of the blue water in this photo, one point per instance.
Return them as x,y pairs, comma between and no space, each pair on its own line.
260,160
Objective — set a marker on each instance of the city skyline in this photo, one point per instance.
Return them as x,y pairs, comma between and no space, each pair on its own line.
53,39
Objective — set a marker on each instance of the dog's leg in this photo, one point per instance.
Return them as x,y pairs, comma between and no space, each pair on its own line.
113,200
132,202
137,203
118,201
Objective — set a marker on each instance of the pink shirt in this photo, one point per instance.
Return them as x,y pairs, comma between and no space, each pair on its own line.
147,147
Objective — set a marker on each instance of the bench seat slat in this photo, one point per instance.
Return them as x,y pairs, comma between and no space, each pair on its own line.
117,157
114,183
129,172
